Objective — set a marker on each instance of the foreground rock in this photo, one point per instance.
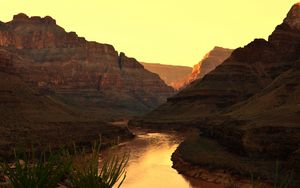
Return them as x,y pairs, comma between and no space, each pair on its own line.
249,104
173,75
91,76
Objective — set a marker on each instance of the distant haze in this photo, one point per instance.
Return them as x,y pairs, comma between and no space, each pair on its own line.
174,76
177,32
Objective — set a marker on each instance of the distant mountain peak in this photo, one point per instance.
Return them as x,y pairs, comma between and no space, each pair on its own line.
293,17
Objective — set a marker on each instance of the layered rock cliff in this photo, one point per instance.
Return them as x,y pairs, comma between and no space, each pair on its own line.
173,75
208,63
82,73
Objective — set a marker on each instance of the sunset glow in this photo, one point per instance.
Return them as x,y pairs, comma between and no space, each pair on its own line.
160,31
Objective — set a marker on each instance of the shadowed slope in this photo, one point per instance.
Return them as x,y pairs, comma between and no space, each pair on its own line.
28,118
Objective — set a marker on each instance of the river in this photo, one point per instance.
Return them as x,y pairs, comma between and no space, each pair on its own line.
150,164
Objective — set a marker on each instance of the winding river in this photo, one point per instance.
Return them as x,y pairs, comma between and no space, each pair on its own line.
150,164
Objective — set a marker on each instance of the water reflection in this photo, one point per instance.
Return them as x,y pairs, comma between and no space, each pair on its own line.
150,164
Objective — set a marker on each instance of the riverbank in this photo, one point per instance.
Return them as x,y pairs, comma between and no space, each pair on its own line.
54,136
202,158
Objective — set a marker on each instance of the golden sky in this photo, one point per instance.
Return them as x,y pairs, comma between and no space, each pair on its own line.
175,32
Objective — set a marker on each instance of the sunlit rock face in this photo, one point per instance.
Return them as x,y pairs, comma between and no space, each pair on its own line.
82,72
209,62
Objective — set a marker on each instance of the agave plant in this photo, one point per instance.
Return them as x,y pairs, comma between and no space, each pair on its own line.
113,169
80,170
86,173
46,173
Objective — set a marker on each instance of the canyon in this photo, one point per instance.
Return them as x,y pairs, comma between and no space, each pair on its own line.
240,108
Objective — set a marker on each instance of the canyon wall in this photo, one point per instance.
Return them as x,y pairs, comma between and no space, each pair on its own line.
81,73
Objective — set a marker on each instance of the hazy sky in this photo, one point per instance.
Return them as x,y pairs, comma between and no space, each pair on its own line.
160,31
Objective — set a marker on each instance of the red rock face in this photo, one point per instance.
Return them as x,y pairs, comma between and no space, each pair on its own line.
45,54
209,62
